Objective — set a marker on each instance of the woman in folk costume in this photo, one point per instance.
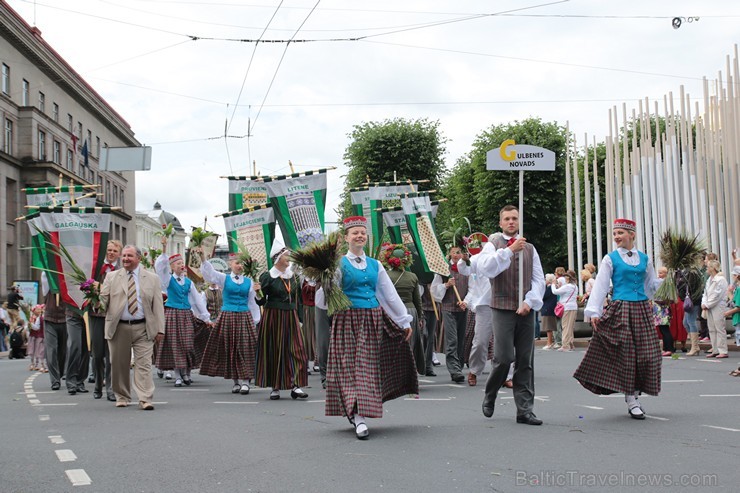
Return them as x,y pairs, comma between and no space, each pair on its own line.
231,347
624,353
308,299
281,357
370,360
176,351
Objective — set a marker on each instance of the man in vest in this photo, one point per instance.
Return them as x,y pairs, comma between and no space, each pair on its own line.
449,293
513,319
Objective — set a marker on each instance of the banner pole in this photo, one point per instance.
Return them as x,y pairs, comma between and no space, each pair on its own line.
521,234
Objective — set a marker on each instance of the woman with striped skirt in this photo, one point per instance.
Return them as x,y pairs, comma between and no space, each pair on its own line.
281,357
231,347
176,351
370,360
308,297
624,353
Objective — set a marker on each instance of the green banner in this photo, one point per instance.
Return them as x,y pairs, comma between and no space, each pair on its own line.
299,202
246,192
254,229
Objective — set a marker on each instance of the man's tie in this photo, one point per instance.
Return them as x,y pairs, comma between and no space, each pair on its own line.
510,242
131,294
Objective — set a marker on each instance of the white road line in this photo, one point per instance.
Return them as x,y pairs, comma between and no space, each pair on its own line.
420,399
78,477
189,390
320,402
56,439
682,381
453,385
66,455
43,417
57,404
31,396
720,428
709,360
595,408
656,417
612,395
542,398
234,402
719,395
34,402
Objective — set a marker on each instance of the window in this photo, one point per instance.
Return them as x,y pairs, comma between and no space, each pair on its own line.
6,79
121,202
107,193
57,156
69,122
70,159
97,147
55,112
42,102
25,95
115,195
42,145
79,131
8,144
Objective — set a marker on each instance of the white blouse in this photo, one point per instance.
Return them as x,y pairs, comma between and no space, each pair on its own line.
212,276
198,306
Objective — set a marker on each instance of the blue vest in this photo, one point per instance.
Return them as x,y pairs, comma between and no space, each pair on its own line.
359,284
236,296
177,296
628,280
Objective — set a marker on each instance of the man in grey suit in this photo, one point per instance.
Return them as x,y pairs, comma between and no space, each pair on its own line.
134,320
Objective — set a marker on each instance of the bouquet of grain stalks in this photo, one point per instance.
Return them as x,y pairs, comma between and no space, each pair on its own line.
320,261
679,251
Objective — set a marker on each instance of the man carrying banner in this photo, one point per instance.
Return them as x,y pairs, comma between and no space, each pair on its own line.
513,319
134,321
449,293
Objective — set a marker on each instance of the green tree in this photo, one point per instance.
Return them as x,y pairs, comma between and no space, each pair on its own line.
413,149
478,194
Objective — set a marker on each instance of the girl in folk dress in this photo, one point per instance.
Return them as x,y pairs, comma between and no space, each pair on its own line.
36,339
624,353
568,293
370,360
177,349
281,357
231,347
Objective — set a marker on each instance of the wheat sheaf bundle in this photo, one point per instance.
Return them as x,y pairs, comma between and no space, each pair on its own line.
679,251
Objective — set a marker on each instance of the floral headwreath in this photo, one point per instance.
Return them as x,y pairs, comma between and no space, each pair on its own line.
395,256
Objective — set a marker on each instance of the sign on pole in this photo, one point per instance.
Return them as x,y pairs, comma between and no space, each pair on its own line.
513,157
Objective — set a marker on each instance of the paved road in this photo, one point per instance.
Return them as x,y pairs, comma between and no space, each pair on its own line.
204,439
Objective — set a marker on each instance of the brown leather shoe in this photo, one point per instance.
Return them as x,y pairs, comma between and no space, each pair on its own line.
508,384
472,379
146,406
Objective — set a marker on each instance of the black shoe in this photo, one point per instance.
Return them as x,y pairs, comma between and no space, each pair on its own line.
82,390
90,379
111,397
430,373
297,393
72,391
187,381
488,409
458,377
55,386
160,374
97,395
528,419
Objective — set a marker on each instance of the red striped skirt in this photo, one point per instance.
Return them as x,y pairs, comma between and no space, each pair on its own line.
469,334
309,331
624,353
176,349
369,363
281,358
231,347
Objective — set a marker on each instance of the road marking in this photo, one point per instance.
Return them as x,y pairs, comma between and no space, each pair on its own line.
66,455
542,398
57,404
720,428
656,417
78,477
31,396
425,381
709,360
719,395
596,408
43,417
34,402
56,439
682,381
420,399
318,401
189,390
453,385
612,395
234,402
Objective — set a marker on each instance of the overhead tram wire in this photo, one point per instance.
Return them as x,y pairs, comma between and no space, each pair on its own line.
279,64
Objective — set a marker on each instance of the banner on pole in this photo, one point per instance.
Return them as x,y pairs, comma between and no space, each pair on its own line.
193,262
246,191
299,203
254,229
513,157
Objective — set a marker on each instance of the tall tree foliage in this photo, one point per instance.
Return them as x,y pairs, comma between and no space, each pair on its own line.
478,194
414,149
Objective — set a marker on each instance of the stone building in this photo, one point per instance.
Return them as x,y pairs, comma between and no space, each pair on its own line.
53,124
149,223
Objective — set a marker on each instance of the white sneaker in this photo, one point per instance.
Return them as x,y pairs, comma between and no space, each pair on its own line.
168,375
547,348
435,361
556,346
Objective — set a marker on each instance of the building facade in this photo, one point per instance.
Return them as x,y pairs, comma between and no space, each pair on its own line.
149,223
54,126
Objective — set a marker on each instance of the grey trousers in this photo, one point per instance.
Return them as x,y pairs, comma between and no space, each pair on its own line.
100,354
78,356
514,336
55,345
455,324
430,326
322,340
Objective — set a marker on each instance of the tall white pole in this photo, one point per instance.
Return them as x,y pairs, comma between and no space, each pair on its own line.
587,195
597,199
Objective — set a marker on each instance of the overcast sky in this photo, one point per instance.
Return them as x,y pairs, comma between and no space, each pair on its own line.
179,72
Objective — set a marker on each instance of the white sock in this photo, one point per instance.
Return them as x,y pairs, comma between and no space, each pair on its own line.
359,419
236,381
177,374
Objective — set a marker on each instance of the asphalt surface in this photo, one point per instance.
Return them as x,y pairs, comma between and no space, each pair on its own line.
205,439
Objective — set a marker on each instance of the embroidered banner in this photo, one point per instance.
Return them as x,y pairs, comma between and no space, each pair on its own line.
246,192
193,262
299,202
254,229
418,210
360,198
